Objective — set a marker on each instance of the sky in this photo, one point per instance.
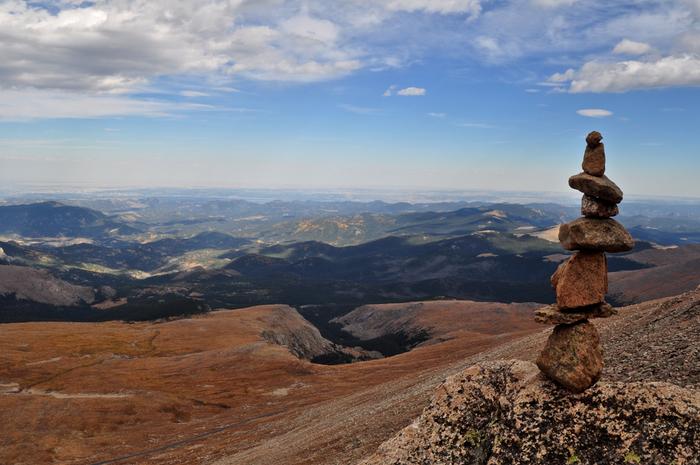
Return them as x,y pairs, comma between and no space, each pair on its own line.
415,94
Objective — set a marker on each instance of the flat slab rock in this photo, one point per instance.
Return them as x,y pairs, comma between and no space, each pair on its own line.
552,315
582,280
605,235
507,413
600,187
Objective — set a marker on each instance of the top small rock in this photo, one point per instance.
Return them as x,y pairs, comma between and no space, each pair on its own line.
594,158
593,139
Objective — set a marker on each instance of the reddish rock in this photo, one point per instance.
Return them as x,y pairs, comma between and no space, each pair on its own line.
593,139
600,187
573,357
552,315
582,280
595,208
605,235
594,160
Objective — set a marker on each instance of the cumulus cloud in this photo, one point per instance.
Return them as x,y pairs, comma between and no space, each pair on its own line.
594,113
598,76
630,47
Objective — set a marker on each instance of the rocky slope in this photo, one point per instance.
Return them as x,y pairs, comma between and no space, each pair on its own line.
646,409
40,286
507,412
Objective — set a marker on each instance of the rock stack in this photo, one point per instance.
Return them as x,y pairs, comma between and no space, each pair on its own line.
573,356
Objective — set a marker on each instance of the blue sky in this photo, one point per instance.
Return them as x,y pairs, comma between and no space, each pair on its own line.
446,94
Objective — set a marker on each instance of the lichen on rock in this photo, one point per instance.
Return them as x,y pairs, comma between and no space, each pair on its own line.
507,413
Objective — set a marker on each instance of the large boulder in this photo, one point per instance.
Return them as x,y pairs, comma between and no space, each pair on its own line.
573,357
600,187
507,413
605,235
582,280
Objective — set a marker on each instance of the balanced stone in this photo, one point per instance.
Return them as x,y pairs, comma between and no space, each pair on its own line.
552,315
606,235
595,208
573,357
593,138
594,157
582,280
600,187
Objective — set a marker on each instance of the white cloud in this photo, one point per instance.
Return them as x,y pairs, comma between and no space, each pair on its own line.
630,47
412,92
594,113
405,92
553,3
471,7
193,93
26,105
437,115
596,76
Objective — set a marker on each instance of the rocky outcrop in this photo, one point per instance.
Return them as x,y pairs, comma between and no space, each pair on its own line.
286,327
507,413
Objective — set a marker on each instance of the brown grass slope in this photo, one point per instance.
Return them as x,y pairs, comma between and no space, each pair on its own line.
198,389
211,390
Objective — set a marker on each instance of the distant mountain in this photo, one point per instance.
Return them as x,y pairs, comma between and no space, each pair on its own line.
364,227
39,286
667,271
53,219
203,240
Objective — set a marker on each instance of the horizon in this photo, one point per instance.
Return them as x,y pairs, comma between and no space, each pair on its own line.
340,194
417,94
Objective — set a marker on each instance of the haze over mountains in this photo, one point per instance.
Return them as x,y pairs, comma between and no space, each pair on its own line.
147,257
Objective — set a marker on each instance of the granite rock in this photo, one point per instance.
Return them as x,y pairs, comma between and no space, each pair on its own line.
595,208
507,413
582,280
600,187
573,357
605,235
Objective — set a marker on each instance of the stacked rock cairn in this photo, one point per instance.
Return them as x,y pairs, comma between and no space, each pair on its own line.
573,356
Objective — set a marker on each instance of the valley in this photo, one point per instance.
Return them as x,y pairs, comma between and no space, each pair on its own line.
308,333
